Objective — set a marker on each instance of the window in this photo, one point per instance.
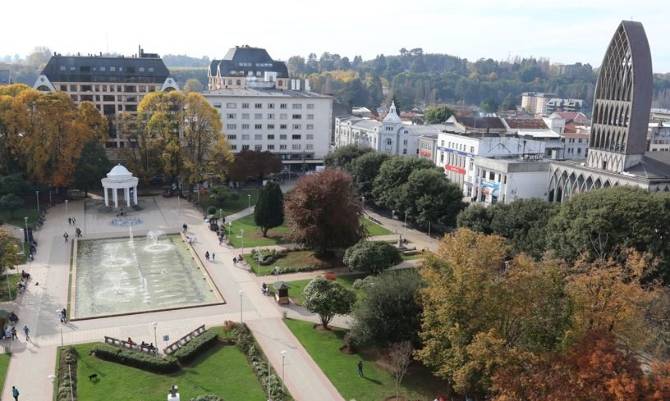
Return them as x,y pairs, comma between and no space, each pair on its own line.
270,116
282,137
271,126
245,116
231,105
271,147
233,147
389,141
404,151
245,105
283,106
232,137
271,137
404,142
231,116
245,137
282,147
258,137
217,105
296,136
245,126
271,105
258,116
282,126
491,175
231,126
283,116
309,146
310,136
296,116
310,126
296,106
310,116
472,149
239,82
297,126
258,126
258,106
245,147
310,106
295,146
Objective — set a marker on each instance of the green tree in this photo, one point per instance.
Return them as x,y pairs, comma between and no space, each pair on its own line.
606,223
364,169
13,184
255,165
476,217
437,114
327,299
10,202
193,85
343,156
269,210
323,211
9,252
371,257
524,223
428,197
92,165
376,315
489,105
388,186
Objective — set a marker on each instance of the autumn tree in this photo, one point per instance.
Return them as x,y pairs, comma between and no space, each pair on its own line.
323,211
255,165
9,251
269,209
400,357
193,85
437,114
327,298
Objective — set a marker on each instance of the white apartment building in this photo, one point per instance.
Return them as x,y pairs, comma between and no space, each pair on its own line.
456,153
295,124
390,136
658,137
508,179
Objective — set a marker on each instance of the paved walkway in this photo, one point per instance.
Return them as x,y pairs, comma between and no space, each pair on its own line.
32,362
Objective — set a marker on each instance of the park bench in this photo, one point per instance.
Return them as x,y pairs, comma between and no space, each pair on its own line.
170,349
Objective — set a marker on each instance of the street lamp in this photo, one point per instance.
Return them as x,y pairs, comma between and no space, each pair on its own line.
242,235
405,223
241,293
283,359
249,197
66,209
155,325
25,236
37,196
363,200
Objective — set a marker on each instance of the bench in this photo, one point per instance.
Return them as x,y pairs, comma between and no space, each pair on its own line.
183,341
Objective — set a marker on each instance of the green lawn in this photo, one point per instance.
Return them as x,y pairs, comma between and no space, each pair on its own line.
15,217
296,287
323,346
13,280
223,371
4,364
293,258
235,205
252,234
373,228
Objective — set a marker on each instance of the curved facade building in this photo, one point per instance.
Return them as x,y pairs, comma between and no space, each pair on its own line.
622,101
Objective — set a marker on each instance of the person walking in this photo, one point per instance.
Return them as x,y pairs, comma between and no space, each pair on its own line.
66,235
213,255
207,256
184,227
26,331
359,367
15,393
69,221
14,335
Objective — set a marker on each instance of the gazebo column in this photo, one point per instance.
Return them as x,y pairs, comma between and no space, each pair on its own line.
105,189
135,194
116,197
126,191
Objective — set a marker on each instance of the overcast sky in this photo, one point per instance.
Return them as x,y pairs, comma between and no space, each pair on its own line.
564,31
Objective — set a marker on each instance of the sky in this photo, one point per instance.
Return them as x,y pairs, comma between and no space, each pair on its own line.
564,31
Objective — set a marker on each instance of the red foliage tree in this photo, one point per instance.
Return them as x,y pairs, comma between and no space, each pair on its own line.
323,211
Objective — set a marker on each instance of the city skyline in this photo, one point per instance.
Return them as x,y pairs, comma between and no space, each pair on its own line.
509,29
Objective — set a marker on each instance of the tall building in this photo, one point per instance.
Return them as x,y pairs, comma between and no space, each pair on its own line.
114,84
262,109
535,102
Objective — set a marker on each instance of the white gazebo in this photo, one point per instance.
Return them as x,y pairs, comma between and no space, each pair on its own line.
120,178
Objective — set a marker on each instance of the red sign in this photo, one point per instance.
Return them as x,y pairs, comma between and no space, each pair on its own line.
426,153
454,169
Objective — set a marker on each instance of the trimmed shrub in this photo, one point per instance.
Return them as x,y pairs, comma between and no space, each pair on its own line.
136,359
211,210
293,269
196,346
371,256
67,376
209,397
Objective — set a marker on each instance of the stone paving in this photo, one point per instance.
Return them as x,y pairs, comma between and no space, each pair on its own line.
32,362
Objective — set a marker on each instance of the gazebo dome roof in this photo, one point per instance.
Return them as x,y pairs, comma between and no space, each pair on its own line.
119,171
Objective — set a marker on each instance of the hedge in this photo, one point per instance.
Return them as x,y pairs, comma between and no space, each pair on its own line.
136,359
195,346
67,375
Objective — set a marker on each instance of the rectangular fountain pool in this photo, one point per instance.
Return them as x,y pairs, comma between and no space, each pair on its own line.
121,275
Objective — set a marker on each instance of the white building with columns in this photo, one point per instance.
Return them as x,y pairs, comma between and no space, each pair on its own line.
119,178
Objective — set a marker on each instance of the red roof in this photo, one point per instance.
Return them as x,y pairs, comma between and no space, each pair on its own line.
577,117
526,123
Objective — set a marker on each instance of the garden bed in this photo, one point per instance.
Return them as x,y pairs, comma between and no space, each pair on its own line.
293,262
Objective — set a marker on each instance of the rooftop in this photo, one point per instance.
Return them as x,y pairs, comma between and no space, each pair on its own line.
148,68
240,60
526,123
260,92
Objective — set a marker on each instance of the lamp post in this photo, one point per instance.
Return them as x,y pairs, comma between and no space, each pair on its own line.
268,380
405,223
283,359
249,197
363,201
242,235
37,197
155,325
25,237
66,208
429,228
241,293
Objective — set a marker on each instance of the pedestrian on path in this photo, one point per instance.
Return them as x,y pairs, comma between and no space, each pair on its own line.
26,330
234,260
14,335
15,393
213,255
69,221
359,367
207,256
66,235
184,227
